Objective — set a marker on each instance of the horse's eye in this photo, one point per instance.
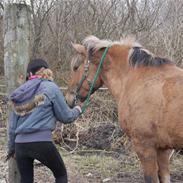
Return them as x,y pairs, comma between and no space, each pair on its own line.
75,68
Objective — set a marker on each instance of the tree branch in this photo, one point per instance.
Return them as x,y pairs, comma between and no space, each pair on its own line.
1,5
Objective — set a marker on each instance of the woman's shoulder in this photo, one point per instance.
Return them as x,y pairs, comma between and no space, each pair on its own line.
50,87
49,84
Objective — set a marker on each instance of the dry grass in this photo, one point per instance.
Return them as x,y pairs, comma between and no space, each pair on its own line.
117,164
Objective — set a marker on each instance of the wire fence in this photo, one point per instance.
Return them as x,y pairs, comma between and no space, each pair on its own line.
4,93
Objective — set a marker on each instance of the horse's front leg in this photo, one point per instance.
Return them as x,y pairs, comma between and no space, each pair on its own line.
163,163
148,158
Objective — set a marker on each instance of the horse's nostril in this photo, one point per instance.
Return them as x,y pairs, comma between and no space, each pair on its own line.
70,100
72,93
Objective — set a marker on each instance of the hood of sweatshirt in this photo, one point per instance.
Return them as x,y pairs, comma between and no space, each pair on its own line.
26,92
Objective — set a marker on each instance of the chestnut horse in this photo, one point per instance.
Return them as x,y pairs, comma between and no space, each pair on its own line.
149,92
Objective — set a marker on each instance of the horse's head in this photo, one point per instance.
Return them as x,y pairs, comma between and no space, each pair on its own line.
120,58
83,69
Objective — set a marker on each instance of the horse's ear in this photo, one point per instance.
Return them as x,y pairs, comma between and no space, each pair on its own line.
79,48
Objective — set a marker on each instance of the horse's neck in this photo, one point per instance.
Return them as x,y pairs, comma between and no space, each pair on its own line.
114,82
117,70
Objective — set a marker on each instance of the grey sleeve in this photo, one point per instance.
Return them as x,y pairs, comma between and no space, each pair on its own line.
62,111
11,132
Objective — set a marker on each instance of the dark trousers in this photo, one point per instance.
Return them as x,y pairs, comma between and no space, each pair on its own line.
46,153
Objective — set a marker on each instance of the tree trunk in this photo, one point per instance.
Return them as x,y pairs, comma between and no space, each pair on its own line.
16,56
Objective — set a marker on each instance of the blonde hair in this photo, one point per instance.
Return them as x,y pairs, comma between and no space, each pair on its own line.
45,73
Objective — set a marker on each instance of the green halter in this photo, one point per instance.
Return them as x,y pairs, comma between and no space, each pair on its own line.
95,79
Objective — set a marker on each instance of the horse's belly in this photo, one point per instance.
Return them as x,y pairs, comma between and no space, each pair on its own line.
165,129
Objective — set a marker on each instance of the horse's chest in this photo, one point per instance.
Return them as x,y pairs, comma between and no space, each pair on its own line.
124,121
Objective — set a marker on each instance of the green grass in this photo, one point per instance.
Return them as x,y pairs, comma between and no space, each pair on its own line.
103,166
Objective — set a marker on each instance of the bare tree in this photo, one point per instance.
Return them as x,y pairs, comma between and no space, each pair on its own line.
1,6
157,25
40,10
1,39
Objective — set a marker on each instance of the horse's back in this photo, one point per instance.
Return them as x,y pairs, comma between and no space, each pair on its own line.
152,107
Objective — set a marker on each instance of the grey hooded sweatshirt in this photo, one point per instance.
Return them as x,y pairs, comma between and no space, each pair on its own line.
37,105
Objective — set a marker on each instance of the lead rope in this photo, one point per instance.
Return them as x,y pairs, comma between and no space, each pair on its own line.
86,104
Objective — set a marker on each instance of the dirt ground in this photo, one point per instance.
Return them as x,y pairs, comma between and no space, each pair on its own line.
94,166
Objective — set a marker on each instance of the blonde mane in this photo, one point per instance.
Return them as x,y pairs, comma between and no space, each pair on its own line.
137,56
92,42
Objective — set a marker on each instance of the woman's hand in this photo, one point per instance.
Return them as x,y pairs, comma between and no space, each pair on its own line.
10,155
